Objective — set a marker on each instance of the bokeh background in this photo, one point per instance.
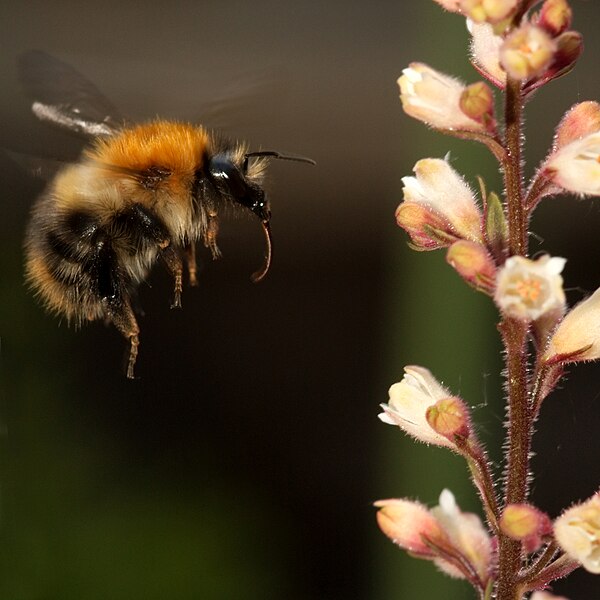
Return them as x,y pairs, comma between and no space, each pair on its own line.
243,462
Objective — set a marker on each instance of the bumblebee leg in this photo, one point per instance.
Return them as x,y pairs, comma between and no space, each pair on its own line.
190,257
210,236
122,317
112,288
153,229
172,259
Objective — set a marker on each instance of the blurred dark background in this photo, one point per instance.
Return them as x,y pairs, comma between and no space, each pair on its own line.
243,462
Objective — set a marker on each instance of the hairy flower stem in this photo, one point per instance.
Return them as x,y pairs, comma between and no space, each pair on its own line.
514,334
484,482
513,175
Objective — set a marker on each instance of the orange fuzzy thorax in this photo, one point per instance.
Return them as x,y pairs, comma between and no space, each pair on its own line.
178,147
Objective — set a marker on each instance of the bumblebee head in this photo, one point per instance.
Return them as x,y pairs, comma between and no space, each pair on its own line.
232,181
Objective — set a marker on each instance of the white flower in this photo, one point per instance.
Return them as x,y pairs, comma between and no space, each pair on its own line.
527,289
576,166
447,201
577,531
467,533
485,51
578,335
408,404
434,98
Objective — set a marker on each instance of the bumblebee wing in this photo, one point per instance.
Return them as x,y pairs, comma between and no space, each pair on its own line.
40,167
63,97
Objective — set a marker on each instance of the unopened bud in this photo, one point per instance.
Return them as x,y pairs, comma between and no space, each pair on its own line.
555,16
569,46
449,417
409,525
496,226
525,523
477,102
474,264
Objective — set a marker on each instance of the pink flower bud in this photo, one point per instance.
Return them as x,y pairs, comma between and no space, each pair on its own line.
442,534
434,98
439,207
408,404
474,264
569,46
527,289
577,531
527,524
577,337
449,417
410,525
489,11
427,229
555,16
580,120
527,52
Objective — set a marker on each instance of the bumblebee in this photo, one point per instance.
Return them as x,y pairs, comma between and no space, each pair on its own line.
139,194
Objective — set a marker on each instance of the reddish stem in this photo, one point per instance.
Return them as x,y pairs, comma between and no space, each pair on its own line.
514,334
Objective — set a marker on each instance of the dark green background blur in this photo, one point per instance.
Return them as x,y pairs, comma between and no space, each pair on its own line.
243,462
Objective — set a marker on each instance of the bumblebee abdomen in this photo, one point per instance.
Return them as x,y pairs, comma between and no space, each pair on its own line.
79,256
60,263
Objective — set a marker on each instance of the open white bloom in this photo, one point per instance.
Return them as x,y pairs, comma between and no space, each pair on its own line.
434,98
527,52
439,189
577,337
577,531
485,51
408,404
467,533
527,289
576,166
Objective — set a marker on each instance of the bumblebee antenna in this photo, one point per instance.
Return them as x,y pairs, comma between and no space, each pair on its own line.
260,275
278,155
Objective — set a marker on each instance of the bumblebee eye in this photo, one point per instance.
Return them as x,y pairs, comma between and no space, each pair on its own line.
227,176
230,180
